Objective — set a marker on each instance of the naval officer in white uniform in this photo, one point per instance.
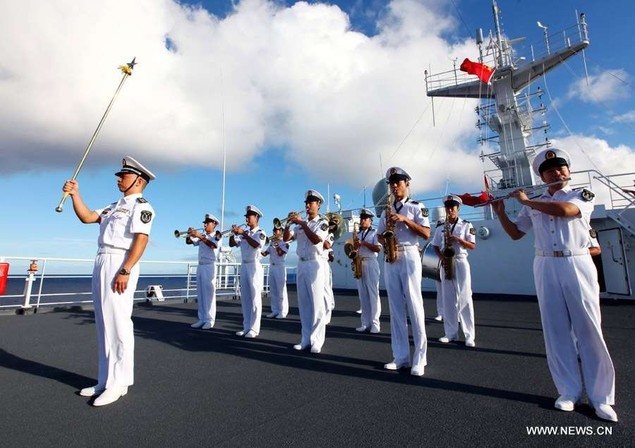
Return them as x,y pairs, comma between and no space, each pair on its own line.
124,228
251,241
368,248
403,277
566,284
310,235
456,292
208,245
277,252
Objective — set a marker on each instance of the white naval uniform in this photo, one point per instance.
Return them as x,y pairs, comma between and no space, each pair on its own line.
113,311
403,284
457,293
568,295
329,297
278,278
206,278
310,283
368,284
251,279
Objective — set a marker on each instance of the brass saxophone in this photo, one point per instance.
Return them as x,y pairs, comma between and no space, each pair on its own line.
353,253
390,243
448,251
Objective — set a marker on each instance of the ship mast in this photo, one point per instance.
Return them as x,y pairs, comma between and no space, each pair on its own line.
510,116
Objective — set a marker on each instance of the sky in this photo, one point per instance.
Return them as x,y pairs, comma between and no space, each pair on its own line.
289,95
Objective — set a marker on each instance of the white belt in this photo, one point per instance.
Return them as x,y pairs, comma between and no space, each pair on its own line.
404,247
309,258
561,253
249,261
111,250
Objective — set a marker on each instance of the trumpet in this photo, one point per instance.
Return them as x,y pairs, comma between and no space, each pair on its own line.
225,232
281,223
182,233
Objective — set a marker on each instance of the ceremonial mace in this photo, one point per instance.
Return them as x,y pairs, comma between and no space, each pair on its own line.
127,71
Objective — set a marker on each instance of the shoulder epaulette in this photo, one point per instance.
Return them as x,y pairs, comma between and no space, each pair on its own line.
141,200
587,195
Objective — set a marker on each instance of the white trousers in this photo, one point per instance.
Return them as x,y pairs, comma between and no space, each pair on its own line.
568,295
437,284
403,283
329,297
206,292
251,282
311,302
368,290
278,289
113,319
457,301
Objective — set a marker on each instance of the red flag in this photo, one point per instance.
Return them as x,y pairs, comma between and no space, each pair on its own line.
483,71
482,198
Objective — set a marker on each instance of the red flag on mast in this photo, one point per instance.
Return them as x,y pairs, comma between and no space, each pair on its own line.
483,71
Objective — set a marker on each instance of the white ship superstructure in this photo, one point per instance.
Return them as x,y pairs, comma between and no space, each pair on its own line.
508,114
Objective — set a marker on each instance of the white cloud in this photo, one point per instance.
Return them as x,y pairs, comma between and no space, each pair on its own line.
293,77
598,159
608,85
628,117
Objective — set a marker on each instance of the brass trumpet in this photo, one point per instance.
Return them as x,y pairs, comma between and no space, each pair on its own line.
182,233
281,223
225,232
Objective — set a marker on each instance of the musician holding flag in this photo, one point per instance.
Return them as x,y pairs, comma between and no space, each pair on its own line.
566,284
459,236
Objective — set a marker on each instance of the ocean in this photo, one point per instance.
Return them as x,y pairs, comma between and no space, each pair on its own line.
73,289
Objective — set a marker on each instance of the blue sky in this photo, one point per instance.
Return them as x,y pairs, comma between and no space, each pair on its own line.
297,95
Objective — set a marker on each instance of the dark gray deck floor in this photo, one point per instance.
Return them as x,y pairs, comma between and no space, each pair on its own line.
213,389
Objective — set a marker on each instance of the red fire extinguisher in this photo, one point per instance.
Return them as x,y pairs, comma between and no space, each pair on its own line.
4,275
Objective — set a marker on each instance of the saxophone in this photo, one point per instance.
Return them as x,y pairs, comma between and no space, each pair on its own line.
448,252
390,243
356,264
353,253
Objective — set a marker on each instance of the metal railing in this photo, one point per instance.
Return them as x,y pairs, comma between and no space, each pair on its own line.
52,284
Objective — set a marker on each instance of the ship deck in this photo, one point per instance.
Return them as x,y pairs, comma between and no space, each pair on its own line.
213,389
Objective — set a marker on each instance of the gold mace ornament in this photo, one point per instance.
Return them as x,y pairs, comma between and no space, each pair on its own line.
126,70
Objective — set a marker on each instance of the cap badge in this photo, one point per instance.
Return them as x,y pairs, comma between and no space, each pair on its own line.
550,155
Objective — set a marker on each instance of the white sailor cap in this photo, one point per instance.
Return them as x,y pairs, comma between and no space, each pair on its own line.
253,210
130,165
210,218
395,174
366,213
313,195
549,158
452,199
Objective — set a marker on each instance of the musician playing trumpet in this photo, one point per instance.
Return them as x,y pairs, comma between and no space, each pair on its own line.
208,246
459,236
310,235
277,252
251,241
403,276
368,247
